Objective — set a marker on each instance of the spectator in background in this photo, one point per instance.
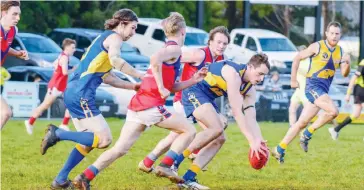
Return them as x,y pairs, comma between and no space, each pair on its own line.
5,75
271,84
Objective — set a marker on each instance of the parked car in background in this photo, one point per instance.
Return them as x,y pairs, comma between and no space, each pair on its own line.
122,96
84,38
150,37
42,51
340,80
350,44
104,100
245,42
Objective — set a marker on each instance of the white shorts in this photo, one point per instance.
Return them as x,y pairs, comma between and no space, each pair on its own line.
178,108
54,92
97,125
149,116
94,124
299,96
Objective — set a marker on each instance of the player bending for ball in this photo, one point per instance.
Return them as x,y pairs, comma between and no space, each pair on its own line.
224,78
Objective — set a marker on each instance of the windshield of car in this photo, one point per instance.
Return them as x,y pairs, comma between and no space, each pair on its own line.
276,44
196,39
40,45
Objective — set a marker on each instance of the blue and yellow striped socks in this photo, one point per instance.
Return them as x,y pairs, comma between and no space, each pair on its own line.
190,175
181,157
84,138
308,132
76,156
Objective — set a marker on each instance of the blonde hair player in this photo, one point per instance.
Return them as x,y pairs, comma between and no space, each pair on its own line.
147,106
193,59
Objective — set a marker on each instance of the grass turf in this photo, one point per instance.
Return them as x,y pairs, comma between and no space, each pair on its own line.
328,164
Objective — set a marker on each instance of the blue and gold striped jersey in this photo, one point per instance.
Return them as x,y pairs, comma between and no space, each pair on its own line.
94,66
323,66
215,85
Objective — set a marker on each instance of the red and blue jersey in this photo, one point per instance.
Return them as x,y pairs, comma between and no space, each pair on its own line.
189,70
6,40
148,95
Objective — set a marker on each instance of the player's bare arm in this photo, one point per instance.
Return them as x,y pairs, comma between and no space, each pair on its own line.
351,85
345,65
63,61
114,43
250,115
236,100
20,54
311,50
165,54
116,82
197,77
193,56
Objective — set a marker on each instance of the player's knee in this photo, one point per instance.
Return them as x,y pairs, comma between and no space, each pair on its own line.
333,113
191,131
301,124
220,140
217,131
7,114
105,141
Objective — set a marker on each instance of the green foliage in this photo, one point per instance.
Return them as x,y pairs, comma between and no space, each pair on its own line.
43,16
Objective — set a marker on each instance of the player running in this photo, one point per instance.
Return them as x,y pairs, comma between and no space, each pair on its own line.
193,60
146,108
56,86
10,16
224,78
326,57
356,82
79,97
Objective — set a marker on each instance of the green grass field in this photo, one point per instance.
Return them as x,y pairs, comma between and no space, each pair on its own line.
328,164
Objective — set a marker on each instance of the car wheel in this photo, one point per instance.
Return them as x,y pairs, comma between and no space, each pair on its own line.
58,108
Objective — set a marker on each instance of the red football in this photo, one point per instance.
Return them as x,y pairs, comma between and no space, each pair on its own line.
258,163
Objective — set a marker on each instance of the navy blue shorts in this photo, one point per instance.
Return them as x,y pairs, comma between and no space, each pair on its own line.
312,93
193,97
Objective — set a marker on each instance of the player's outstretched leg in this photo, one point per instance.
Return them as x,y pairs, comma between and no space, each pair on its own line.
309,111
334,132
5,112
47,102
162,147
330,112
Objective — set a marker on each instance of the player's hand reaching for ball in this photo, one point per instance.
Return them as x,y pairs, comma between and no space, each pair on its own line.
259,148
